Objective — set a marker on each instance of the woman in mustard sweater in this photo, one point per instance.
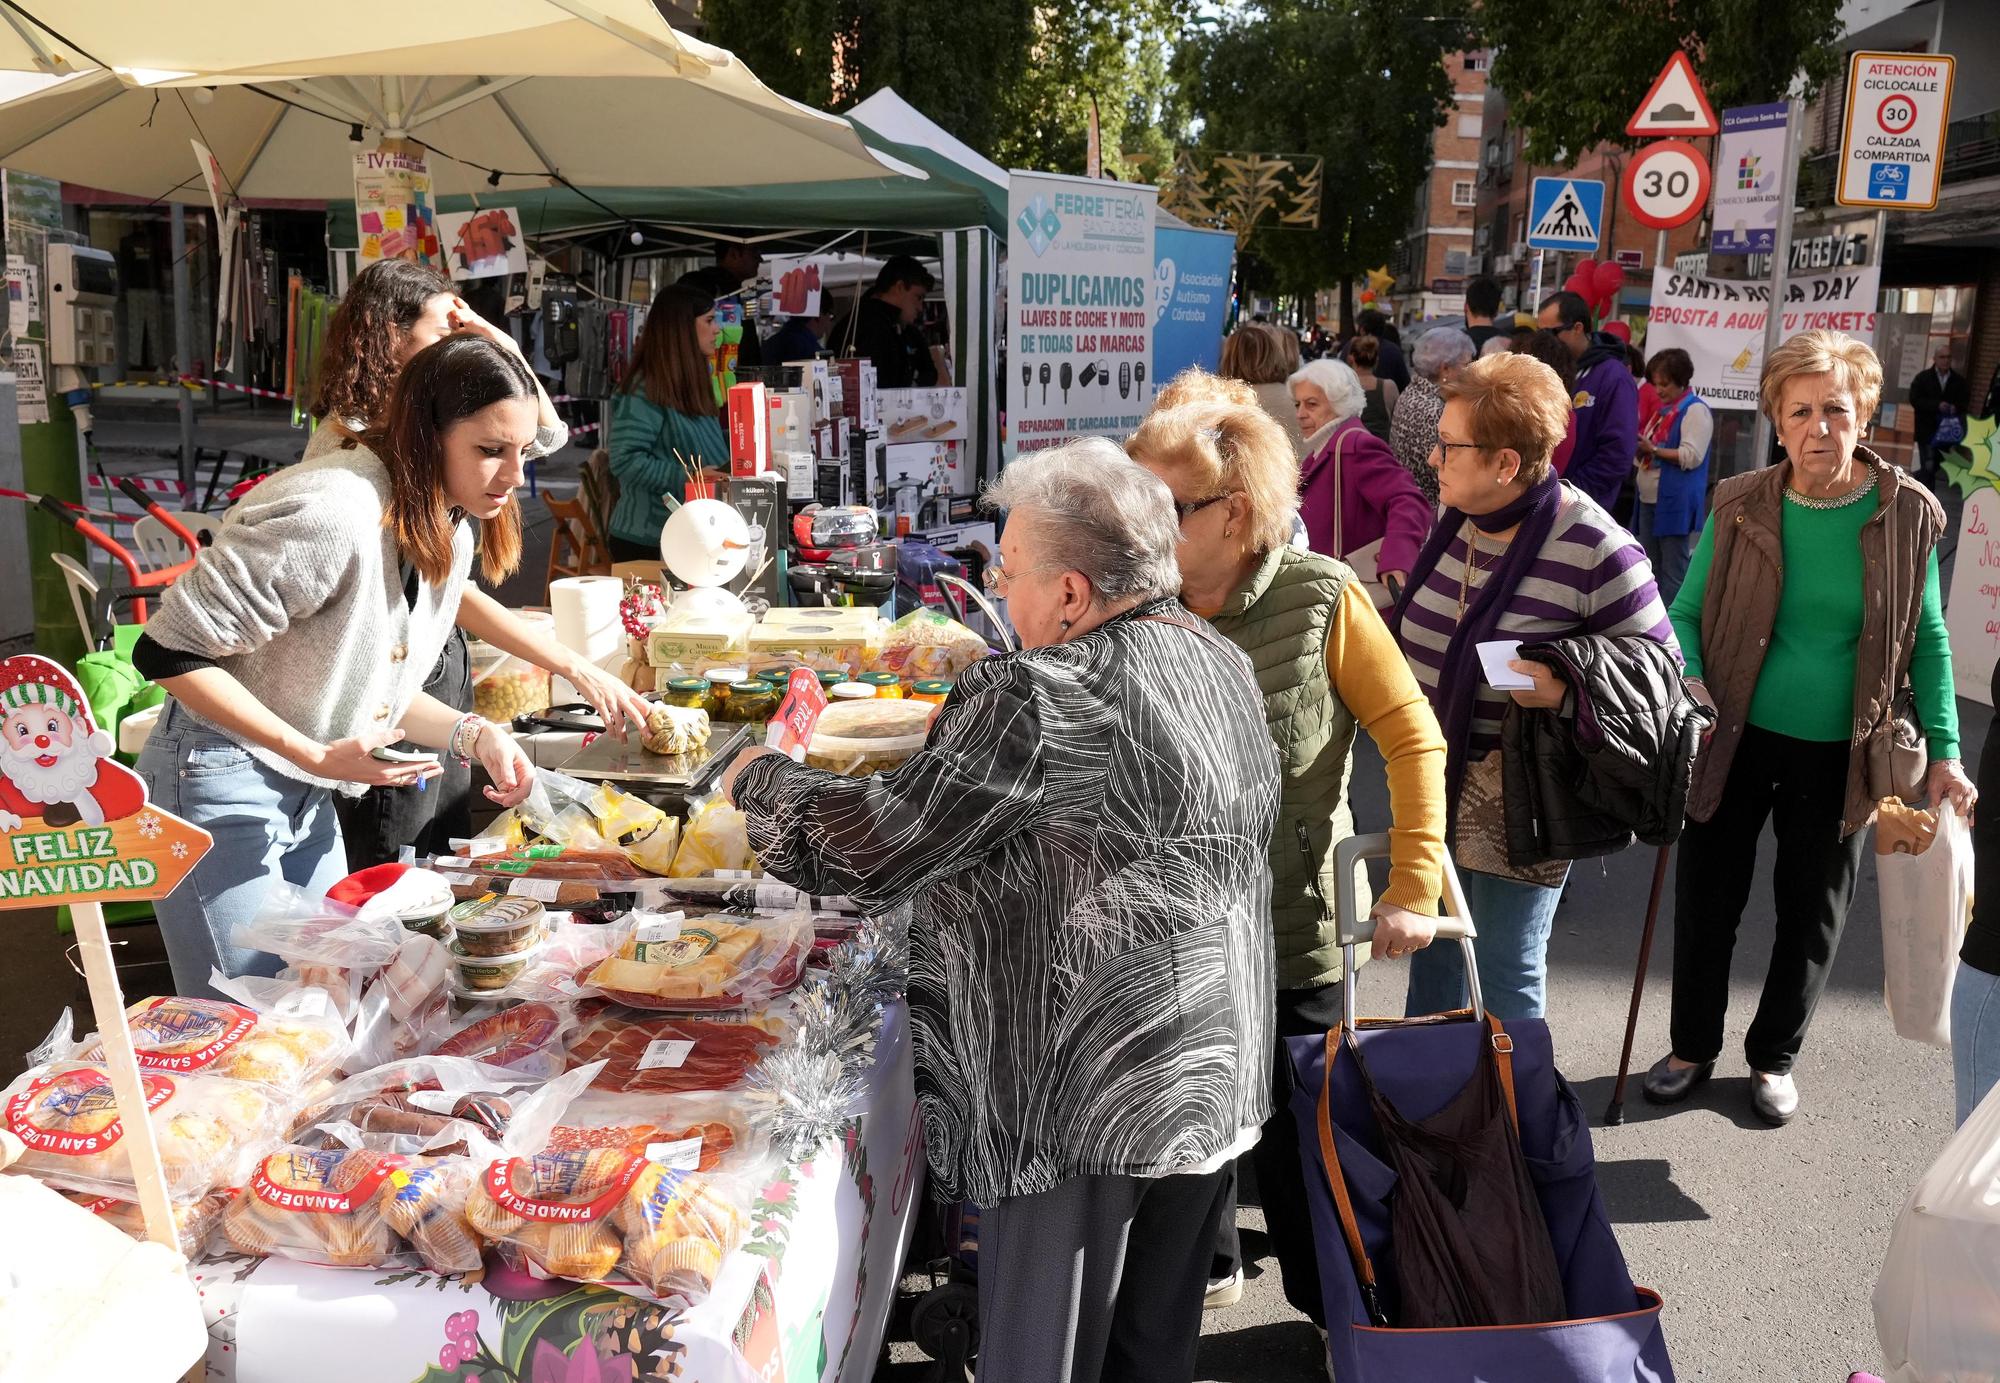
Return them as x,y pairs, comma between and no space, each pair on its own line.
1327,666
664,420
1811,602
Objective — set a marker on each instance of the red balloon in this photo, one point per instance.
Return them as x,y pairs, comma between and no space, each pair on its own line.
1609,278
1580,285
1367,295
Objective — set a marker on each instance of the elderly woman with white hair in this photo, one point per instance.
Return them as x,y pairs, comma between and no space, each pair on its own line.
1358,504
1082,841
1438,355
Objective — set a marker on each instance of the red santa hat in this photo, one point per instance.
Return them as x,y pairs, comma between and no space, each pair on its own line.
28,681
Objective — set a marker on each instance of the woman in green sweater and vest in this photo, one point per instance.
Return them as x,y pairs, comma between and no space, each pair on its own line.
664,420
1811,603
1327,666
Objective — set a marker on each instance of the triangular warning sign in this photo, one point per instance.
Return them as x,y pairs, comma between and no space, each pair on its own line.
1676,105
1566,217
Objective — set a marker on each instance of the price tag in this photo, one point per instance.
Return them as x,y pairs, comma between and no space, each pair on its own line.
778,897
655,927
668,1052
743,875
462,878
683,1155
483,846
436,1101
541,890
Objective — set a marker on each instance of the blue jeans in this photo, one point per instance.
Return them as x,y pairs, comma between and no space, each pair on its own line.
1669,554
266,826
1513,920
1975,1036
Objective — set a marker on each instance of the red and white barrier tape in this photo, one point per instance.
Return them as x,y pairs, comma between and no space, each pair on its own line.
196,382
578,429
164,487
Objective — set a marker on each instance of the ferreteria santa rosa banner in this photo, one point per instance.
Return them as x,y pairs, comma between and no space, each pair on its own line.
1080,275
1720,323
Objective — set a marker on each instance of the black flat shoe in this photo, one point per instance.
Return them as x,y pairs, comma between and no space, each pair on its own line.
1665,1084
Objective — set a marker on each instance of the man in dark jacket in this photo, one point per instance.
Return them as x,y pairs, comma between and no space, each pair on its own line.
883,327
1937,393
1607,400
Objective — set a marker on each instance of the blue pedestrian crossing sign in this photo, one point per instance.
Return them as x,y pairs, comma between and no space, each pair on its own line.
1565,213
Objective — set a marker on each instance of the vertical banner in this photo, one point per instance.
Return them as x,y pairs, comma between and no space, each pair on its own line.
1749,176
1191,270
393,208
1079,307
972,288
1720,323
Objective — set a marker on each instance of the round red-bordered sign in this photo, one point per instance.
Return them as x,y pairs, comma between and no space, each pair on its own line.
1666,184
1909,110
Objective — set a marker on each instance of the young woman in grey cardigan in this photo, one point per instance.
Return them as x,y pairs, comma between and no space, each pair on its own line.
299,643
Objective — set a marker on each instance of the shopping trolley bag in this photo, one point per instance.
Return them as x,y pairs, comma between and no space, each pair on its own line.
1443,1076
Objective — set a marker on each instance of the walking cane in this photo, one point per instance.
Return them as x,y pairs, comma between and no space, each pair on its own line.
1615,1115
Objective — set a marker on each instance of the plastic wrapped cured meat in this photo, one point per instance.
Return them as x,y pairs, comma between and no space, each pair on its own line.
438,1105
525,1038
657,1054
66,1115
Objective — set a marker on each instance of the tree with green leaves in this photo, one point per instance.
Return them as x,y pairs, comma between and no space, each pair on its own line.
1363,87
1012,79
1575,70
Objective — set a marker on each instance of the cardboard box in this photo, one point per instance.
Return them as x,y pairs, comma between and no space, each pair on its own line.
749,430
923,415
791,420
858,401
801,474
937,466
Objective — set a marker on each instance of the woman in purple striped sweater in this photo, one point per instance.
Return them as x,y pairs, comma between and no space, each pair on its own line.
1546,562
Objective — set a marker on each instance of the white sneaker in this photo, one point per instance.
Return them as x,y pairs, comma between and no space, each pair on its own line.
1223,1291
1775,1097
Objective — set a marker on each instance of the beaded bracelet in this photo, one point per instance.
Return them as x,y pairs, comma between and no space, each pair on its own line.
465,737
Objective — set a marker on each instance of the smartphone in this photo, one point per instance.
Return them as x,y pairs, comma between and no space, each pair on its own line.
402,756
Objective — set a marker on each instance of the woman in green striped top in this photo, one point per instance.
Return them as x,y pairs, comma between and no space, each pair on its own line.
663,421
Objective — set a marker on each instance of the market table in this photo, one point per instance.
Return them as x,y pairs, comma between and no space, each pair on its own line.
807,1296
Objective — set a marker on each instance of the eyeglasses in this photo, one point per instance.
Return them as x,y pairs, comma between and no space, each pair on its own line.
997,577
1195,506
1445,449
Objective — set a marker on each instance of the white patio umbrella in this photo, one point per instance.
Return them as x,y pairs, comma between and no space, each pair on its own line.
606,102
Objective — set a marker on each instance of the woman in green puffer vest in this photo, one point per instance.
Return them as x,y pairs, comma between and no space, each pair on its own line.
1326,664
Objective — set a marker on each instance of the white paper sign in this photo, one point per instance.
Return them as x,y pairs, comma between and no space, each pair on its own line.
1720,323
1494,655
31,389
1079,307
795,285
651,928
670,1052
683,1155
1972,612
541,890
482,244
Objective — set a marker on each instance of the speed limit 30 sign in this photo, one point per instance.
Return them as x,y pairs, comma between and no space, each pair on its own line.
1666,184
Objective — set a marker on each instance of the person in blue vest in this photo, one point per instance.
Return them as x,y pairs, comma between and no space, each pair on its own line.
1673,470
1606,400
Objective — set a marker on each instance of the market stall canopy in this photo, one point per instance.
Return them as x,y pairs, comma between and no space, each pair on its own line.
203,39
291,136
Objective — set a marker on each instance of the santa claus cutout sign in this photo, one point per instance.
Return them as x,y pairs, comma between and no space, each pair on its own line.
75,826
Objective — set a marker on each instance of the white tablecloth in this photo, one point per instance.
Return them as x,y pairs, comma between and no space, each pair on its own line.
806,1297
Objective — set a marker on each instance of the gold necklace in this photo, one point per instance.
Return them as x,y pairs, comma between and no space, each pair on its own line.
1466,568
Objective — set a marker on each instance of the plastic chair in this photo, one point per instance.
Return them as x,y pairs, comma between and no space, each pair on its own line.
576,548
159,546
82,594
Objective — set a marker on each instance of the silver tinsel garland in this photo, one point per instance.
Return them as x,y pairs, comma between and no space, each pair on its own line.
806,1091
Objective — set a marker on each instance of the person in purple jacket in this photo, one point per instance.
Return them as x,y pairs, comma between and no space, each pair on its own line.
1607,400
1357,501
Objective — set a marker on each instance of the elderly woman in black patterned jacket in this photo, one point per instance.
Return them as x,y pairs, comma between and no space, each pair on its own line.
1083,842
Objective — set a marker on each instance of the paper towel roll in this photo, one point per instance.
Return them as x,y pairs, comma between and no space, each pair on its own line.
586,611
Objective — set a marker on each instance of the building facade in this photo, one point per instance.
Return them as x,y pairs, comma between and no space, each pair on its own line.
1439,253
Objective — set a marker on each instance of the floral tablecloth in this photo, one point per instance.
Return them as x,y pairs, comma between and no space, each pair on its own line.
807,1297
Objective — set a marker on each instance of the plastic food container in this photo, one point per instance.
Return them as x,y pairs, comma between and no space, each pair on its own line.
504,686
496,926
485,974
873,736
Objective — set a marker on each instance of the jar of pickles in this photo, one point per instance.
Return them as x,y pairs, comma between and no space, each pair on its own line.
750,702
691,692
932,691
888,687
